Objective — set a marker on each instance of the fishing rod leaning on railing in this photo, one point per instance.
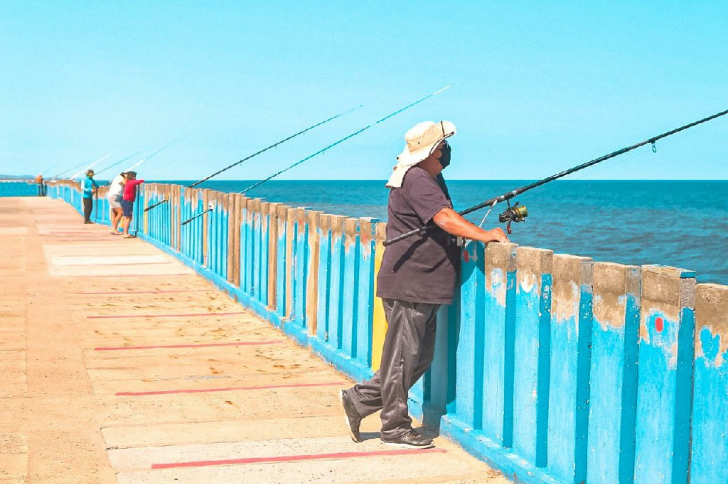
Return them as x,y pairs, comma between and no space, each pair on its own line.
242,192
518,213
278,143
328,147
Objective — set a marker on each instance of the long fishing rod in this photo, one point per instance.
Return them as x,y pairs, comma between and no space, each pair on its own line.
194,217
260,152
518,213
331,146
343,139
70,169
143,160
92,165
275,144
49,169
116,163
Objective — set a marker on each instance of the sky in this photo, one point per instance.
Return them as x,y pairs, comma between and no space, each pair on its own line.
536,86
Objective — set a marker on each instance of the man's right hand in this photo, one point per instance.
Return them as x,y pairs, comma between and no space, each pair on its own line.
497,235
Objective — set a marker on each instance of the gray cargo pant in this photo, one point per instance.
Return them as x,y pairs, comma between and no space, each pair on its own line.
408,350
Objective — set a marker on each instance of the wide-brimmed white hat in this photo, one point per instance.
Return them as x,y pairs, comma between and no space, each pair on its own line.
421,141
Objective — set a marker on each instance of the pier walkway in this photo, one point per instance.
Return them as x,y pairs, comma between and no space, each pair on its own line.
120,364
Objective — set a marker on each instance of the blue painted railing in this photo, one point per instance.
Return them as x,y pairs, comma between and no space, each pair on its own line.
14,188
552,368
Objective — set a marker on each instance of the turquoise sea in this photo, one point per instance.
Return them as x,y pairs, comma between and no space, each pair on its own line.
676,223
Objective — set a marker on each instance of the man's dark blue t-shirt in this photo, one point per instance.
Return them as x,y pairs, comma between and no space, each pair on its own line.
422,268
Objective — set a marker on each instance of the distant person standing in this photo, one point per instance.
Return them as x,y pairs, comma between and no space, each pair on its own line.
41,185
89,188
114,196
127,201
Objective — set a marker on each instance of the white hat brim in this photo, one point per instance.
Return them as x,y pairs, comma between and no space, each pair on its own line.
407,159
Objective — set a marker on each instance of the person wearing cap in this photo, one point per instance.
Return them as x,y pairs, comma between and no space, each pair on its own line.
418,275
89,188
127,201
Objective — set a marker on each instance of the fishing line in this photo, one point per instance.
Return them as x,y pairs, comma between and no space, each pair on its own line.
261,151
49,169
274,145
518,213
486,215
343,139
143,160
70,169
92,165
120,161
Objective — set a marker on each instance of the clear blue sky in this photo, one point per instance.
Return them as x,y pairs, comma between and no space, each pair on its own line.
535,87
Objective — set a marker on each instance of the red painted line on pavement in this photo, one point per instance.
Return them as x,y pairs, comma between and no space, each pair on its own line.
96,264
229,389
147,292
140,275
197,315
200,345
294,458
83,240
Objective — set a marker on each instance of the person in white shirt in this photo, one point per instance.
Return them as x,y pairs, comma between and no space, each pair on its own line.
114,195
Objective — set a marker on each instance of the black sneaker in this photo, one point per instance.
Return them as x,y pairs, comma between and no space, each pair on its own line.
353,420
411,440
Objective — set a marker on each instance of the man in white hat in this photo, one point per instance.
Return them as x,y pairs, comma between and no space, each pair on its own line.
417,276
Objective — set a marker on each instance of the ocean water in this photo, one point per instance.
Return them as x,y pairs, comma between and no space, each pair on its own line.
676,223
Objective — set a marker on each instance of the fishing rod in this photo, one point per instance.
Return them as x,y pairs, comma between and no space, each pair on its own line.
143,160
49,169
343,139
210,207
518,213
331,146
275,144
116,163
259,152
92,165
70,169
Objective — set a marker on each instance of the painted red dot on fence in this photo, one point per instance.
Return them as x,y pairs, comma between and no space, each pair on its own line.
466,256
659,324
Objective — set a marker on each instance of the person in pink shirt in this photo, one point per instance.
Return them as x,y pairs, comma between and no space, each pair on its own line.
127,201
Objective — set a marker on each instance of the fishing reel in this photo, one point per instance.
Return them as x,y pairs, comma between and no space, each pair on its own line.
516,213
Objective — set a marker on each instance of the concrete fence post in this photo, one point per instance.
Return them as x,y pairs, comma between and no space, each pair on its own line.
281,261
273,256
336,281
312,272
498,339
709,459
349,289
324,278
365,291
379,321
664,398
571,330
532,350
613,403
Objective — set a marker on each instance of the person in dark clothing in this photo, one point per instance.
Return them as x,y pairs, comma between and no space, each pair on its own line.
89,188
417,276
